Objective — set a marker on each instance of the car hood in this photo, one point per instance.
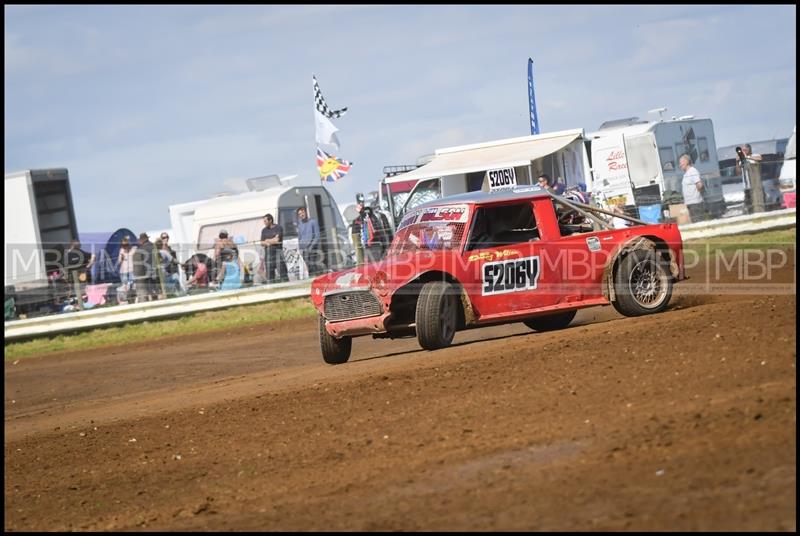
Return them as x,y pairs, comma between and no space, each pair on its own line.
394,272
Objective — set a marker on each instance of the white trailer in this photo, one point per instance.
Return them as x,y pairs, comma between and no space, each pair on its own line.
39,224
788,175
635,163
196,224
495,165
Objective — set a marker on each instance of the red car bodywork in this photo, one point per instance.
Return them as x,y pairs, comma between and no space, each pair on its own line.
550,273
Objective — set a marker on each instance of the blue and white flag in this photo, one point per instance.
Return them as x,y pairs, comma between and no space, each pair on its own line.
532,99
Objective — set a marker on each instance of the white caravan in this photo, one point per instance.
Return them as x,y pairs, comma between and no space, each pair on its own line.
635,163
196,224
494,165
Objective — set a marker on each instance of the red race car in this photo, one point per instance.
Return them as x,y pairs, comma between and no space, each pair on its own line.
480,258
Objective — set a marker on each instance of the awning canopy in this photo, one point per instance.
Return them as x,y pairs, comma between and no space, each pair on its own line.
491,155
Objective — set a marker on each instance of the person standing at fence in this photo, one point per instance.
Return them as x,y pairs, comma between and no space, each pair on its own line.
692,189
230,276
143,270
125,265
751,179
309,241
371,234
272,240
170,259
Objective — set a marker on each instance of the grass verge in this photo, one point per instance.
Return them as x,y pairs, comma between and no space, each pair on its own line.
705,247
152,329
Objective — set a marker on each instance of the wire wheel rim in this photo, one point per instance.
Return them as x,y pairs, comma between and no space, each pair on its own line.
447,317
648,284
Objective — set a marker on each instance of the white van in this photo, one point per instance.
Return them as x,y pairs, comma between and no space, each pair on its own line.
635,163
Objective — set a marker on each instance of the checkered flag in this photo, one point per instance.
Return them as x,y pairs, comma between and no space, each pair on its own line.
321,105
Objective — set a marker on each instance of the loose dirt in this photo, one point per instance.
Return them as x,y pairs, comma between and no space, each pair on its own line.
684,420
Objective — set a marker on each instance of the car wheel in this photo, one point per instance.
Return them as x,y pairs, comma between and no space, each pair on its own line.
334,351
550,322
436,315
642,283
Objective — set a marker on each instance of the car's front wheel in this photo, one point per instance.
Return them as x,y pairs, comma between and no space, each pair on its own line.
550,322
642,283
334,351
436,315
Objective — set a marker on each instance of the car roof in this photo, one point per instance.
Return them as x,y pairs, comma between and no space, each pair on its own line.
479,197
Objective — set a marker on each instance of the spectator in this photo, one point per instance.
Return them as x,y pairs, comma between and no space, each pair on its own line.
753,162
172,267
751,179
199,271
143,270
370,230
309,241
167,273
229,276
546,183
125,267
77,264
692,189
224,242
272,240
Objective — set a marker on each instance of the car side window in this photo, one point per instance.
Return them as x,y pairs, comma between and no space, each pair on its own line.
571,221
497,226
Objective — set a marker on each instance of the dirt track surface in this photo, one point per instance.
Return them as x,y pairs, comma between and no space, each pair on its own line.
685,420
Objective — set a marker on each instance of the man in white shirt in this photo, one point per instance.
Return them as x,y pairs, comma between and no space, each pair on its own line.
692,189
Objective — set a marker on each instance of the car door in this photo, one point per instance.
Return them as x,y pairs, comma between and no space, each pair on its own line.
504,257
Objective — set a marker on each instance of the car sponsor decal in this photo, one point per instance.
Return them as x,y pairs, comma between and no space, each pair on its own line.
494,255
594,243
447,214
510,276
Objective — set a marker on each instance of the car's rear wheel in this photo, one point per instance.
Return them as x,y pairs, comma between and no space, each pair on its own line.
642,283
550,322
436,315
334,351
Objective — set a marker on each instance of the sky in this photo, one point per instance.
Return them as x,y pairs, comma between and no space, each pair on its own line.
150,106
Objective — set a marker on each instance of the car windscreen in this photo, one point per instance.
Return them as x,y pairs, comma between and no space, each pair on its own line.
435,228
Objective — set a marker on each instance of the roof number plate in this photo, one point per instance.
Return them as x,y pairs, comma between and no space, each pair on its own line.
501,179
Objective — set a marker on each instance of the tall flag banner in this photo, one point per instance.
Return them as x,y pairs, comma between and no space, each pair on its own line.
331,169
532,99
325,130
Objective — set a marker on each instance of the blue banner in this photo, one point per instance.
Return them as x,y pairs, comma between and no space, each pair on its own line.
532,99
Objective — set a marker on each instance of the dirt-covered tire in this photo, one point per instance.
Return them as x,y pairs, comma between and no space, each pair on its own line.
334,351
642,283
436,315
550,322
